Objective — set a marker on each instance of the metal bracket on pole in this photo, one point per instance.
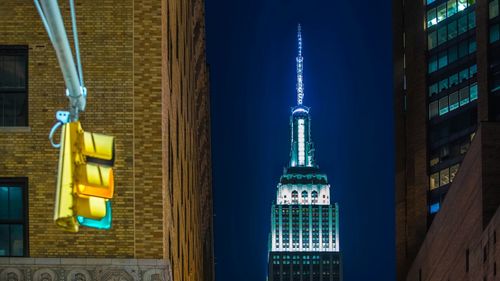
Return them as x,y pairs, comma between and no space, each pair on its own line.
62,117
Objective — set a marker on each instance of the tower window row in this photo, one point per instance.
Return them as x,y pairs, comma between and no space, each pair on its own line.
446,10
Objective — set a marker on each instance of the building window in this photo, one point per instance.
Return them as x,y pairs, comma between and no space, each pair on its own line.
13,86
295,197
467,260
444,177
432,40
434,208
13,217
446,10
314,196
443,105
304,196
454,101
494,33
493,12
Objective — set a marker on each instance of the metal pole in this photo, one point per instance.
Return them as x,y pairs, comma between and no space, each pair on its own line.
59,39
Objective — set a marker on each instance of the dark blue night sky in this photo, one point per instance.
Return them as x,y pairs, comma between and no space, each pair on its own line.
348,85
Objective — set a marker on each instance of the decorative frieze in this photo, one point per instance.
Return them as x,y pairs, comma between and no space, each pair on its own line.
83,269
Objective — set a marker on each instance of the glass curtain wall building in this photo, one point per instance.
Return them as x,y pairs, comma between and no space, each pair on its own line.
304,238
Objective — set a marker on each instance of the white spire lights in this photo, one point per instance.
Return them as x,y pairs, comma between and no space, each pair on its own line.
299,59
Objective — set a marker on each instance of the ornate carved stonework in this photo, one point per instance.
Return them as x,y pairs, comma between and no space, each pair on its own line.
11,274
52,269
44,274
78,275
154,275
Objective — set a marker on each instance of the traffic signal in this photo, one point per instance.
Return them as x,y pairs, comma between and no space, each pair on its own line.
85,182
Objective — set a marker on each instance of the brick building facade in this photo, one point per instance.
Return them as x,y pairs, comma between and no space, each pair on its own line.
147,79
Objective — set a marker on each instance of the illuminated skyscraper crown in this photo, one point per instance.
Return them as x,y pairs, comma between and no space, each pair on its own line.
303,218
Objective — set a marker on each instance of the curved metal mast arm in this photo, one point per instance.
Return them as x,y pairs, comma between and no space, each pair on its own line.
53,22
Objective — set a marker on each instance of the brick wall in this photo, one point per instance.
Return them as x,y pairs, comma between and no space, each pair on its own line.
458,227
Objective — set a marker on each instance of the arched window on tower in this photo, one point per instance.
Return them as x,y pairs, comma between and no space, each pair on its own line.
304,196
295,197
314,197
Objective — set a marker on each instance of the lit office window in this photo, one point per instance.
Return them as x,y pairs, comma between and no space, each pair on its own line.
462,24
473,92
432,40
452,7
452,30
434,208
443,85
433,66
444,177
433,109
463,75
462,4
441,12
452,54
13,86
472,70
472,46
494,33
443,105
434,181
442,60
433,89
431,17
453,171
453,79
464,96
454,101
493,9
442,35
13,218
472,20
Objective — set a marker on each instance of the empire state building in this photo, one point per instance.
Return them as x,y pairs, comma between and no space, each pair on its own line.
304,238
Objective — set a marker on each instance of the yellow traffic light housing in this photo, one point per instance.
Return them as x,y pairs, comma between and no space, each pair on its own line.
85,181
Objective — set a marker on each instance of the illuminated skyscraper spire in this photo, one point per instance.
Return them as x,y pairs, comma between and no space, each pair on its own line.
300,60
304,219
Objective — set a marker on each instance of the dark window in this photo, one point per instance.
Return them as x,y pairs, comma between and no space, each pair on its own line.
13,86
485,253
13,217
467,260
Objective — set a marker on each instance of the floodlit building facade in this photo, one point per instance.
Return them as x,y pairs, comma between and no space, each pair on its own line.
147,84
447,109
304,238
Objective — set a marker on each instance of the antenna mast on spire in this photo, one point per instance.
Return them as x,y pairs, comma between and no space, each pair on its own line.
299,59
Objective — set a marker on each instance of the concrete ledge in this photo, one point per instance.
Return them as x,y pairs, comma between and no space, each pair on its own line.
15,130
20,260
81,261
46,261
